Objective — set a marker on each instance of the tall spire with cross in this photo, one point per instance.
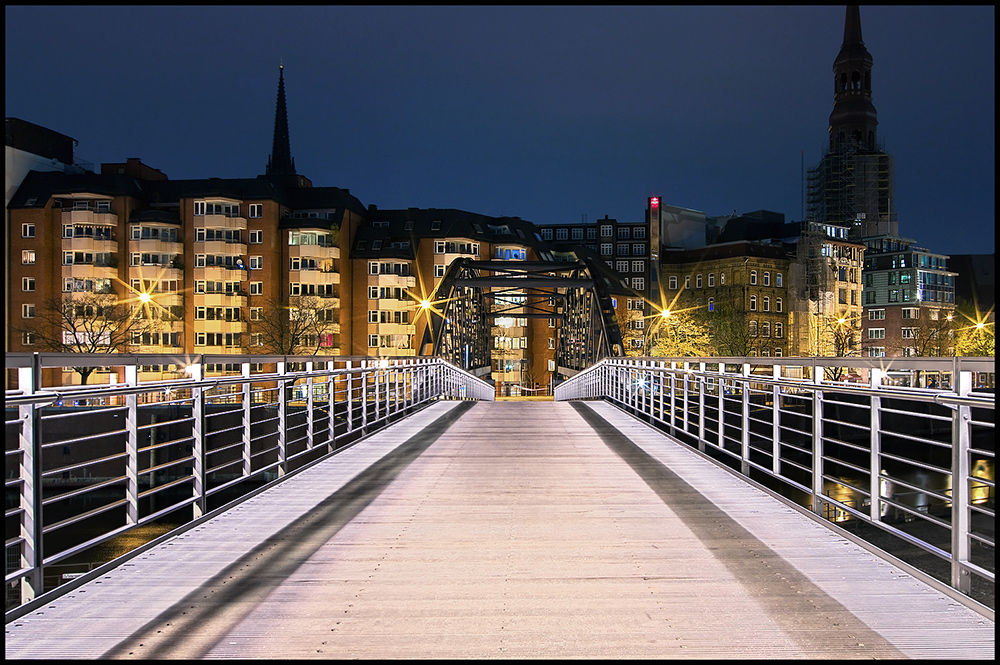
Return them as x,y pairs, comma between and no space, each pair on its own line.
280,161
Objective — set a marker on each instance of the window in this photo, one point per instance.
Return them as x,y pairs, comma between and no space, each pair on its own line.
842,296
893,295
373,316
711,279
546,234
67,231
753,328
606,249
687,281
765,304
777,279
373,293
606,231
576,234
27,283
638,250
27,338
622,250
908,313
767,278
27,311
753,303
552,342
778,329
876,333
27,230
876,351
256,237
256,262
637,266
373,341
672,282
777,304
697,282
256,288
753,277
765,329
722,279
621,266
876,314
439,269
909,333
623,233
639,283
639,232
256,210
199,208
436,225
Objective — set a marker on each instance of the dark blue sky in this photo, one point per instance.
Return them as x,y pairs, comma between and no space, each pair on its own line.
547,113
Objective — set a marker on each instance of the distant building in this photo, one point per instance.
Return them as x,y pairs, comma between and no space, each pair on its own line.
909,294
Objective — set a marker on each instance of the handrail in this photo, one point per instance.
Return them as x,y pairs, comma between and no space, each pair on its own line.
137,460
879,457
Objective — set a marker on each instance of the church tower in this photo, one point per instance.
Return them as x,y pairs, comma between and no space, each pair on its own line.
853,184
280,164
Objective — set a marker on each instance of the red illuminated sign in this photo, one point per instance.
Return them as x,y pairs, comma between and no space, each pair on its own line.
654,202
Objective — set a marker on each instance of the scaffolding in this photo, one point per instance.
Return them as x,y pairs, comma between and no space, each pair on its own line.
853,186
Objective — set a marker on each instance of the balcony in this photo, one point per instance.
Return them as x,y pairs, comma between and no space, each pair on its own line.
156,246
89,217
223,222
88,271
220,326
238,299
90,244
392,279
219,274
313,277
220,247
314,251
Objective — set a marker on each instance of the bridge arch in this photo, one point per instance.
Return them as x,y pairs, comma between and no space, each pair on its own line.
473,294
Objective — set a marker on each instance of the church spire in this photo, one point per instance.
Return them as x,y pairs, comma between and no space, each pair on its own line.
853,120
280,162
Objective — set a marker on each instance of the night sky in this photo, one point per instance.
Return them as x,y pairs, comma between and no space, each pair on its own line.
552,114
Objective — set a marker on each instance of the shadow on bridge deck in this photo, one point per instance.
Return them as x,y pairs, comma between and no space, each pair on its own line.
538,529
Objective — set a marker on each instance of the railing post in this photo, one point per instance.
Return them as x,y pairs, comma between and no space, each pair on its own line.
331,407
200,506
364,396
132,446
310,414
875,439
673,398
817,446
29,380
701,404
282,418
745,423
349,377
247,418
776,422
961,517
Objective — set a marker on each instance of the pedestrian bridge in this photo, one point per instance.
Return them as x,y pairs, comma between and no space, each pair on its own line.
457,528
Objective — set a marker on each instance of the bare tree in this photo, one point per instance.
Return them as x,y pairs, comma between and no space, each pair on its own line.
307,325
730,329
89,323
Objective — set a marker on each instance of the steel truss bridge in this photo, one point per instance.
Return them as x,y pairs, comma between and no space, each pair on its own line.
577,294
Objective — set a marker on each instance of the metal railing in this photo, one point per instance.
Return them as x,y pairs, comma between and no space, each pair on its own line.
905,466
99,468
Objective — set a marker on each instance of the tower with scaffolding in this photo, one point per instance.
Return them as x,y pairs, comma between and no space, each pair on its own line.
854,181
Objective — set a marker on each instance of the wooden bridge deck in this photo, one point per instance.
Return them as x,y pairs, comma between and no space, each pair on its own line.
507,530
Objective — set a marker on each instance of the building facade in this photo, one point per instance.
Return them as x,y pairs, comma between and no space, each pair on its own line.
909,298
